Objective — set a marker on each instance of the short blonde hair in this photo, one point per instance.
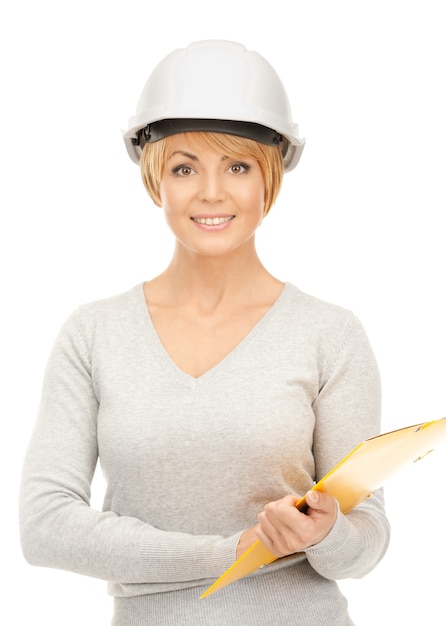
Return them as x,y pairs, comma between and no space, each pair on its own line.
154,157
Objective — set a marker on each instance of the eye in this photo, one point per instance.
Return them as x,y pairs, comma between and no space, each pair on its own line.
238,168
183,170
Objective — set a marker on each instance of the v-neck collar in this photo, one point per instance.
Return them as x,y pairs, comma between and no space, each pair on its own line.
169,365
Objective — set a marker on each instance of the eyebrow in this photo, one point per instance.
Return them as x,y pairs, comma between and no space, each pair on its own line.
189,155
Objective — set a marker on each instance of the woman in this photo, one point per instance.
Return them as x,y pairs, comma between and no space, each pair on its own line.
214,394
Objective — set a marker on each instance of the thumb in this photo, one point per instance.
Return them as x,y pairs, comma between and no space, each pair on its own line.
312,498
316,500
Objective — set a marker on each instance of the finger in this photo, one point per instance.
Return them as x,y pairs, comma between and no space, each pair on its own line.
280,530
283,509
280,515
277,544
320,501
267,525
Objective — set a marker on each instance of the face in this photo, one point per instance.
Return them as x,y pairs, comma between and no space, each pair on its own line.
213,203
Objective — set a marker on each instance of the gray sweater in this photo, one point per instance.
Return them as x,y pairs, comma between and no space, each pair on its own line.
190,462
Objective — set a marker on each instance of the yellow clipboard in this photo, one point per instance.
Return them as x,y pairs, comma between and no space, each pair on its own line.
352,481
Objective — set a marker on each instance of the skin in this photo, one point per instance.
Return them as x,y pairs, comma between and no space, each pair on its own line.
284,530
213,293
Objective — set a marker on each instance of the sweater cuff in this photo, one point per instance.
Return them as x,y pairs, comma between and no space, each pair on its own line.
186,558
224,554
325,554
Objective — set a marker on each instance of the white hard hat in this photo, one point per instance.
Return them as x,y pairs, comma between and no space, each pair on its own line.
215,86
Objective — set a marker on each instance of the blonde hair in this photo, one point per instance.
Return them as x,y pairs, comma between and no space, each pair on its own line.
154,157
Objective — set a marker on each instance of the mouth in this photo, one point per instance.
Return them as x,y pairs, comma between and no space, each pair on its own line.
213,221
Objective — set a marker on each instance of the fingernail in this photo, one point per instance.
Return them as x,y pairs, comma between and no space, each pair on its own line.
313,496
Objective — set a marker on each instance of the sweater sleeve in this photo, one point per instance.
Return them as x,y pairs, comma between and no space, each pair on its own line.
58,527
347,411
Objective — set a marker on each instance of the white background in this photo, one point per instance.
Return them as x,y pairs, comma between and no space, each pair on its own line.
359,223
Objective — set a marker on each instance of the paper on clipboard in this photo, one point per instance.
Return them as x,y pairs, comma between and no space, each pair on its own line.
351,481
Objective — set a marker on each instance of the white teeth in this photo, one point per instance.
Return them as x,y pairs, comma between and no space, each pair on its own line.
212,221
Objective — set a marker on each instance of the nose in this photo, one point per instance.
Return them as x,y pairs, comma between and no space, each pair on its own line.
212,188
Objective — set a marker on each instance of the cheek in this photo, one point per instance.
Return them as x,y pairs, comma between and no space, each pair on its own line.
255,197
257,191
176,198
163,194
169,199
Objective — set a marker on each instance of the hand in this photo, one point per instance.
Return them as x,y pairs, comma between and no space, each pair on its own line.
246,540
284,530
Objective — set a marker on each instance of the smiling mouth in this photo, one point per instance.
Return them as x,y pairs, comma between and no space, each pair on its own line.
212,221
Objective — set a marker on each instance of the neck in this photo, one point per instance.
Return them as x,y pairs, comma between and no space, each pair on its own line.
212,281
